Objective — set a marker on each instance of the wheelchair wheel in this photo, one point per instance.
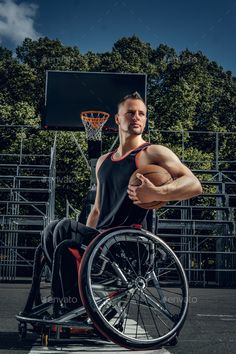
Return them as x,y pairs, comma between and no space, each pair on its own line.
134,288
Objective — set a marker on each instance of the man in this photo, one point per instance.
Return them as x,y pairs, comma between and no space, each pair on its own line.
116,202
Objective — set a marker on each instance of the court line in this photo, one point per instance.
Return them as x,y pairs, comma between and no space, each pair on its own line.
214,315
93,349
90,346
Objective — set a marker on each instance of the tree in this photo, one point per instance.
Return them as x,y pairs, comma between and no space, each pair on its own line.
185,91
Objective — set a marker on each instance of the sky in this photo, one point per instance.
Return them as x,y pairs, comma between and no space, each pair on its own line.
95,25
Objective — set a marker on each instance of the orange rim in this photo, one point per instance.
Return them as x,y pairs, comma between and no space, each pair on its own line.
95,118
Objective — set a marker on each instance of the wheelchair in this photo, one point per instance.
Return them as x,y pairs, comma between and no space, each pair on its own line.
133,291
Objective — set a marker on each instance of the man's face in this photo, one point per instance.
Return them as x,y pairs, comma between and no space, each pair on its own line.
131,117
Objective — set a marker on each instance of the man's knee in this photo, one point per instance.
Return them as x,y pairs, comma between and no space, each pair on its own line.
48,231
47,239
62,231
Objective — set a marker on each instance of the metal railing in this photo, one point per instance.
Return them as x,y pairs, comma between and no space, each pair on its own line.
15,226
52,181
214,142
207,245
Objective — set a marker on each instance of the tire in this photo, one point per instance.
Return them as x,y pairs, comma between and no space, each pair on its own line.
133,288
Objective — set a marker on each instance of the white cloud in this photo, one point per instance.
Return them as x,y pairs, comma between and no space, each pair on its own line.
17,21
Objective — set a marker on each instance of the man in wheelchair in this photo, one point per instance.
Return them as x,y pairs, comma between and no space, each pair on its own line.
117,205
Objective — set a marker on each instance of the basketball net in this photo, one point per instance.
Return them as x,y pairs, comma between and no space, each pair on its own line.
93,122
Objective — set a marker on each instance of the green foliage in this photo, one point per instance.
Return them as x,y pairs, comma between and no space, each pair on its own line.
185,92
73,175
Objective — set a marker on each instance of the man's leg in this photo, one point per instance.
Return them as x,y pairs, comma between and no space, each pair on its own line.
47,241
73,230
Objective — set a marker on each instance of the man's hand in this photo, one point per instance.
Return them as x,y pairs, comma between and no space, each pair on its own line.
145,193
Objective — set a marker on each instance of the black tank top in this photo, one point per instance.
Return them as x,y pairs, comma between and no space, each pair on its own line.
116,209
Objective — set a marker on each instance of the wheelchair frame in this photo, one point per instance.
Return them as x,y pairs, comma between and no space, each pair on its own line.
133,289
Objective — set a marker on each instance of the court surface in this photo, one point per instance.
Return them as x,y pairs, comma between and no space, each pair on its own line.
210,326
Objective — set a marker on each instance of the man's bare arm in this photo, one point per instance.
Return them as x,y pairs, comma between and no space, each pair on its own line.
93,217
184,186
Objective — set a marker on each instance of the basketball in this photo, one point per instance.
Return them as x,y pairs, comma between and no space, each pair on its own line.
157,175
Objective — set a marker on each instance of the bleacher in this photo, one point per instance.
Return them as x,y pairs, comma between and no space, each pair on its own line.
202,230
27,192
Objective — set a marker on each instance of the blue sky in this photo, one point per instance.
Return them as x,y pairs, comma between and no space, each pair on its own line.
206,25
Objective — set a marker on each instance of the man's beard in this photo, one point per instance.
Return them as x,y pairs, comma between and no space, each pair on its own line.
135,131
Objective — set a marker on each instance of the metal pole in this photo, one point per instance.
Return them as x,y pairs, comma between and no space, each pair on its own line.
182,133
81,151
217,151
21,145
67,209
114,143
52,182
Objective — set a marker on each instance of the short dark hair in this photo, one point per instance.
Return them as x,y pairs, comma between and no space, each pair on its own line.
132,96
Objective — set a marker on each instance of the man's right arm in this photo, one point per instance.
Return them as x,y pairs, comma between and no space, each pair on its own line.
95,212
93,218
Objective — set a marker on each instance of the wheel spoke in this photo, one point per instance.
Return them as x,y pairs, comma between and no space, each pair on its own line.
139,314
125,307
153,319
157,307
127,260
161,301
159,310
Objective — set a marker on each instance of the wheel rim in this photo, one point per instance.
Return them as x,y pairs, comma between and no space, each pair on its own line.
137,275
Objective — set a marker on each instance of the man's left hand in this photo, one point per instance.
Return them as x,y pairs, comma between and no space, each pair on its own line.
145,193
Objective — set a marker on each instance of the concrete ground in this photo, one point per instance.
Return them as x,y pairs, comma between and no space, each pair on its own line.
210,326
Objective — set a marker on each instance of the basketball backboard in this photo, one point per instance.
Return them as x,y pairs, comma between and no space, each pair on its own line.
68,93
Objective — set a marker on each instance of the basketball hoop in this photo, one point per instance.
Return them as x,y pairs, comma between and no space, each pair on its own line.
93,122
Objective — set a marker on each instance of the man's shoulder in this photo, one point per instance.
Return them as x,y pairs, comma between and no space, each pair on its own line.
101,159
157,154
157,148
104,156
